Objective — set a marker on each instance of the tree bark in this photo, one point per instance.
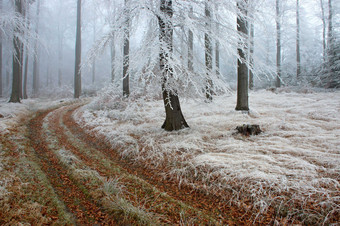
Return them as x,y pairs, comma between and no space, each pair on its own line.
242,69
298,58
126,88
36,56
217,45
323,31
278,44
113,56
60,56
174,119
16,86
190,45
1,55
25,76
251,54
208,51
94,60
77,72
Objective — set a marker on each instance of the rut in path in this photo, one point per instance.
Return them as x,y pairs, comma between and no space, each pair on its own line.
84,209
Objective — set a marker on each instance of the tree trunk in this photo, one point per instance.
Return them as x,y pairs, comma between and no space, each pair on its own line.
94,60
60,56
190,45
278,44
217,46
242,69
208,51
24,89
36,56
77,72
25,76
126,91
16,86
251,54
174,119
1,55
113,55
323,31
298,60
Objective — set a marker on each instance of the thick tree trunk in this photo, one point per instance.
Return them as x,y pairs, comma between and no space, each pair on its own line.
36,56
174,119
278,44
242,69
190,45
126,88
298,58
208,52
77,72
16,86
323,31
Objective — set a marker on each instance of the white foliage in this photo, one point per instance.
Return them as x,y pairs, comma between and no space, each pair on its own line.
296,159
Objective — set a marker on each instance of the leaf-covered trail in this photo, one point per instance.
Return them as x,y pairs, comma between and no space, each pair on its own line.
93,185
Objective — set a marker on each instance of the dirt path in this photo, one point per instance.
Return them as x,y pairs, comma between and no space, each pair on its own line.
93,185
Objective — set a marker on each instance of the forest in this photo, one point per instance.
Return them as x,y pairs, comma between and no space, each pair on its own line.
180,112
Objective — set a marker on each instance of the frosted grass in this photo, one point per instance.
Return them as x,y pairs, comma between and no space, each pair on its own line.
294,163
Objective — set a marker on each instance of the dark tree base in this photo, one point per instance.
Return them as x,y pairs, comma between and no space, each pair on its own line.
248,130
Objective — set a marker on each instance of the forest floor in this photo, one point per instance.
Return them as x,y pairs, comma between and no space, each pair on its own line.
56,171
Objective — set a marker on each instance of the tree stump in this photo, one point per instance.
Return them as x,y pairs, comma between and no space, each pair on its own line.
249,130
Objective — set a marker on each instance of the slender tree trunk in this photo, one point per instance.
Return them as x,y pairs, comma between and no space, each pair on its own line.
174,119
16,86
330,42
24,94
113,56
77,72
1,55
94,61
208,51
323,18
36,56
25,76
278,44
298,60
251,54
242,69
60,56
191,45
126,90
217,46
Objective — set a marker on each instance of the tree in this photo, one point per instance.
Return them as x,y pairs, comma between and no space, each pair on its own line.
17,58
208,50
174,119
298,61
323,18
94,61
242,68
278,44
217,45
36,55
77,72
126,90
251,47
0,54
24,94
190,44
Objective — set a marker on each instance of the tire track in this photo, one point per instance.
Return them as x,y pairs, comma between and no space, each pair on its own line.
84,209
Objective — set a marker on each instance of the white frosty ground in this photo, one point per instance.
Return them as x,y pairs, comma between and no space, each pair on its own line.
295,161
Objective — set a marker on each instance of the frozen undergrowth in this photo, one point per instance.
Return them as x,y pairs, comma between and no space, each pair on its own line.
294,164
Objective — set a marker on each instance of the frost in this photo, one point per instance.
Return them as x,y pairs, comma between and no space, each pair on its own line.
296,159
